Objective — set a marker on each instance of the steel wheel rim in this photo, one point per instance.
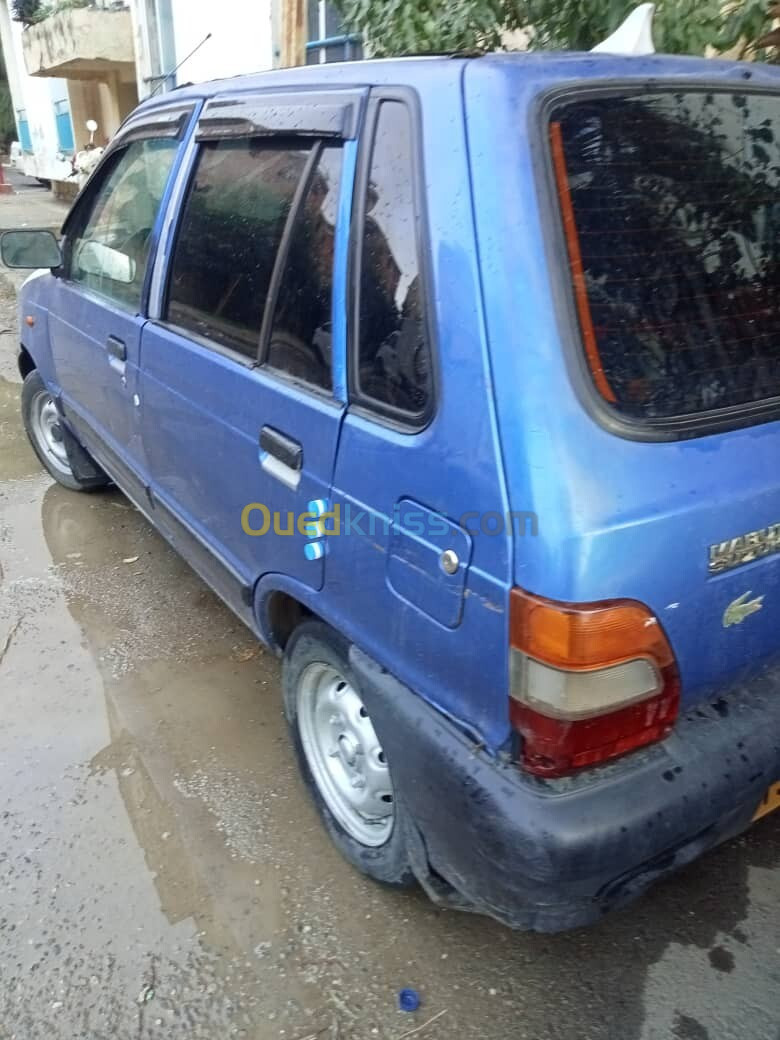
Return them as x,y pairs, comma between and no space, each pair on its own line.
344,755
47,431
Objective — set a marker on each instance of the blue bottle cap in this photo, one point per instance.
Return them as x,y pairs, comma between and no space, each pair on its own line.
408,1000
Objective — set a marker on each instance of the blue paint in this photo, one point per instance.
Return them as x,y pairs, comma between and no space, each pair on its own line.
341,272
64,126
159,223
333,41
25,138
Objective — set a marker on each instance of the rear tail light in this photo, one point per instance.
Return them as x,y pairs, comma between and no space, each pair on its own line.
588,681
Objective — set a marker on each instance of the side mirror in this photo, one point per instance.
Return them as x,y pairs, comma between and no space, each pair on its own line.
29,249
102,261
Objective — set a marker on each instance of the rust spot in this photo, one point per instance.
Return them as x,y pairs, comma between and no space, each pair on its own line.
29,320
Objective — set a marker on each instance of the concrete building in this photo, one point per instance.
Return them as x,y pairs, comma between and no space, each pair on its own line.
94,60
76,64
41,109
189,41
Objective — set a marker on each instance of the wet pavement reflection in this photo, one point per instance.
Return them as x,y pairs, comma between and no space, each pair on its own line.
163,875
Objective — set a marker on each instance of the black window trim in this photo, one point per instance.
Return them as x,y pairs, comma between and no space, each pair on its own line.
358,402
666,429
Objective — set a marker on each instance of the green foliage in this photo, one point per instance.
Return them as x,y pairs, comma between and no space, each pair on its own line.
419,26
33,11
26,11
680,26
7,121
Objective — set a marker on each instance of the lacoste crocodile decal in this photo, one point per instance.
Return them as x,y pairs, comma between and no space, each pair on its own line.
740,608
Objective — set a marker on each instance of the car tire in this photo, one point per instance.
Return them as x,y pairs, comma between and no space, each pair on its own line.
340,757
43,427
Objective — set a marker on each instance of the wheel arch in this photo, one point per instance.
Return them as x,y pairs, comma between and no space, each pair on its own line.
25,362
279,612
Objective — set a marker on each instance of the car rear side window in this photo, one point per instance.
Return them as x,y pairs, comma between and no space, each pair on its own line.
300,340
231,229
671,213
394,361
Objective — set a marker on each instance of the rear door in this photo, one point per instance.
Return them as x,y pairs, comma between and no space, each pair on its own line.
98,302
419,570
241,402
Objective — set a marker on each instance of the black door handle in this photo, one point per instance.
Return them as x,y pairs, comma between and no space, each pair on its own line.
116,348
283,448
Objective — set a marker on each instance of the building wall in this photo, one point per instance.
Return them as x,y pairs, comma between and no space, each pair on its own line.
241,40
37,98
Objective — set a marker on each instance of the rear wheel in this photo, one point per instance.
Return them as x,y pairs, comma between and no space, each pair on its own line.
341,757
44,428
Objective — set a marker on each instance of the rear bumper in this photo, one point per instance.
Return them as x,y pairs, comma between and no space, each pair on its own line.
555,855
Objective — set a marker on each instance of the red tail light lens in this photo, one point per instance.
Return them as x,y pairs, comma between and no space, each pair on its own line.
589,681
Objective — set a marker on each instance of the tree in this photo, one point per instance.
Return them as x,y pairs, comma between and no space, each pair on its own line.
767,46
7,122
680,26
26,11
419,26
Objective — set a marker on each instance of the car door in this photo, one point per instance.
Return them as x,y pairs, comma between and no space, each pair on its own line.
240,406
418,469
98,301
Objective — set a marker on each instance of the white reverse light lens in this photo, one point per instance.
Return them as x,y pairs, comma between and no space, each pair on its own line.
580,695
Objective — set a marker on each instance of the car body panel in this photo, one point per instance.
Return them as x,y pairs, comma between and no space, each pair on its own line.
617,517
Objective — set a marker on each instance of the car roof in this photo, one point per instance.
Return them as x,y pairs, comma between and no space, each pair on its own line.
544,68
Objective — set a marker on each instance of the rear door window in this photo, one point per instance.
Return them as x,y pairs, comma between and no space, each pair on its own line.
300,337
231,229
671,214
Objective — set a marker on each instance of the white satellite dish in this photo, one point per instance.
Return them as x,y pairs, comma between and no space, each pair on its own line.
633,36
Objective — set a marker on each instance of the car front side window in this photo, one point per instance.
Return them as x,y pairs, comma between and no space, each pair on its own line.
109,251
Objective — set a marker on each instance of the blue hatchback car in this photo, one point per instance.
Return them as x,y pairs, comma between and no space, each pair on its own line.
458,380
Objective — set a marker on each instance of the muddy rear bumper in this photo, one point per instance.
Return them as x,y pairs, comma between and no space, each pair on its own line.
555,855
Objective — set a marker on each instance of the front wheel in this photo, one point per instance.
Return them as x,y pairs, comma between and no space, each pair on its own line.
44,428
341,757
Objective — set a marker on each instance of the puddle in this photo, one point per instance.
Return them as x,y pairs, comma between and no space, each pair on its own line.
164,875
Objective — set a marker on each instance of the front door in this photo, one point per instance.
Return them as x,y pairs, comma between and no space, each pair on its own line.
96,312
240,412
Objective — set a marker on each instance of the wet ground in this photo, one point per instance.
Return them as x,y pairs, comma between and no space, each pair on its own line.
162,874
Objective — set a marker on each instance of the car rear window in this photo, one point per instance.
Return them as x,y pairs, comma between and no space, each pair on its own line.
671,214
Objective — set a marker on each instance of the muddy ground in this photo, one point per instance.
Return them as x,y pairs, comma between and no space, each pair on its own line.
162,874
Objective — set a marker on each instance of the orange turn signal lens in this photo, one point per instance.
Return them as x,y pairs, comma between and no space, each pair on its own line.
578,636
